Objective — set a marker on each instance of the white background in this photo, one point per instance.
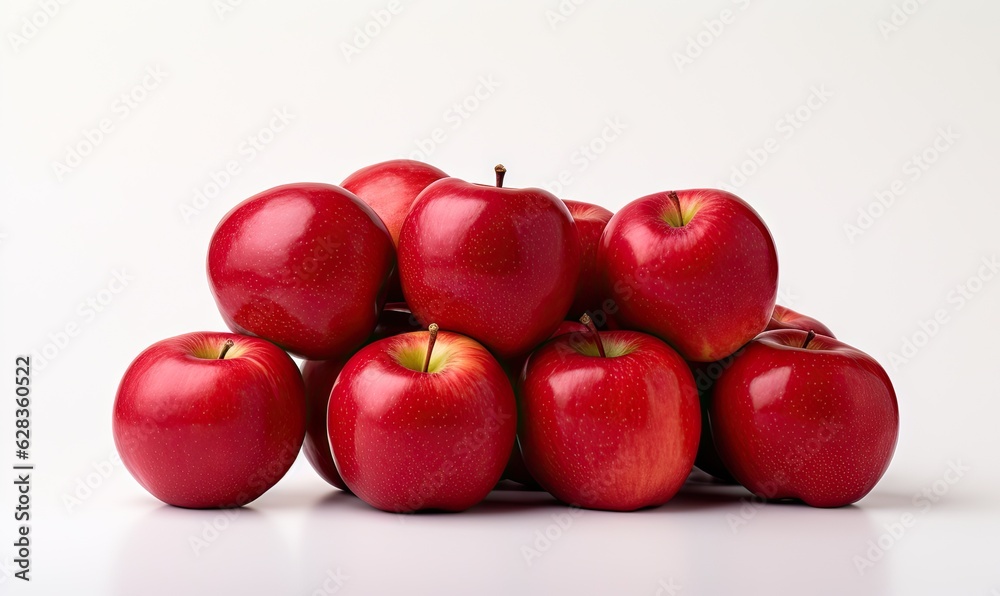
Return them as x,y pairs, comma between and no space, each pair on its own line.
554,86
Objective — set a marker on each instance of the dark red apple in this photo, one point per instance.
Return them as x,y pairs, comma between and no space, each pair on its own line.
616,432
303,265
422,423
696,268
786,318
207,420
804,416
390,187
319,377
492,263
590,222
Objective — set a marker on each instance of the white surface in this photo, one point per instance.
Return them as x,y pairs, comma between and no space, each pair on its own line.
547,92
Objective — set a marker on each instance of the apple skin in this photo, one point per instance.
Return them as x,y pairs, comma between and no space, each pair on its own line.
491,263
319,377
708,459
201,432
617,433
786,318
590,222
390,187
818,424
406,440
305,266
705,287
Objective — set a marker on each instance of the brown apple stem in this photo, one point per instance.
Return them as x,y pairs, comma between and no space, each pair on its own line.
809,338
500,170
676,203
225,348
433,331
586,320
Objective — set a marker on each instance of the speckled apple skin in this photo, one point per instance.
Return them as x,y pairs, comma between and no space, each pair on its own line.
405,440
617,433
706,287
208,433
818,424
390,187
590,222
319,377
496,264
305,266
786,318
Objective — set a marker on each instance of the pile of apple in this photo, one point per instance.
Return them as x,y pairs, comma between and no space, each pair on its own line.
438,323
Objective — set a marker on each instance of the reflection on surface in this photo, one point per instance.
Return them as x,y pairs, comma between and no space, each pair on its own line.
174,551
710,539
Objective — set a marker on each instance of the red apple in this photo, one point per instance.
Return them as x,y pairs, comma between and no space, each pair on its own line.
423,420
695,267
207,420
303,265
804,416
616,432
708,459
786,318
390,187
492,263
590,222
319,377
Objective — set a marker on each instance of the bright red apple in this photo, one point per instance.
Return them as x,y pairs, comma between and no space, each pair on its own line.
303,265
489,262
609,425
786,318
696,268
319,377
207,420
804,416
423,420
390,187
590,222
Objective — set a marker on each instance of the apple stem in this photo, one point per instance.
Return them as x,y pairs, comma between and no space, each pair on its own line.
433,331
500,170
586,320
809,338
225,349
676,203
